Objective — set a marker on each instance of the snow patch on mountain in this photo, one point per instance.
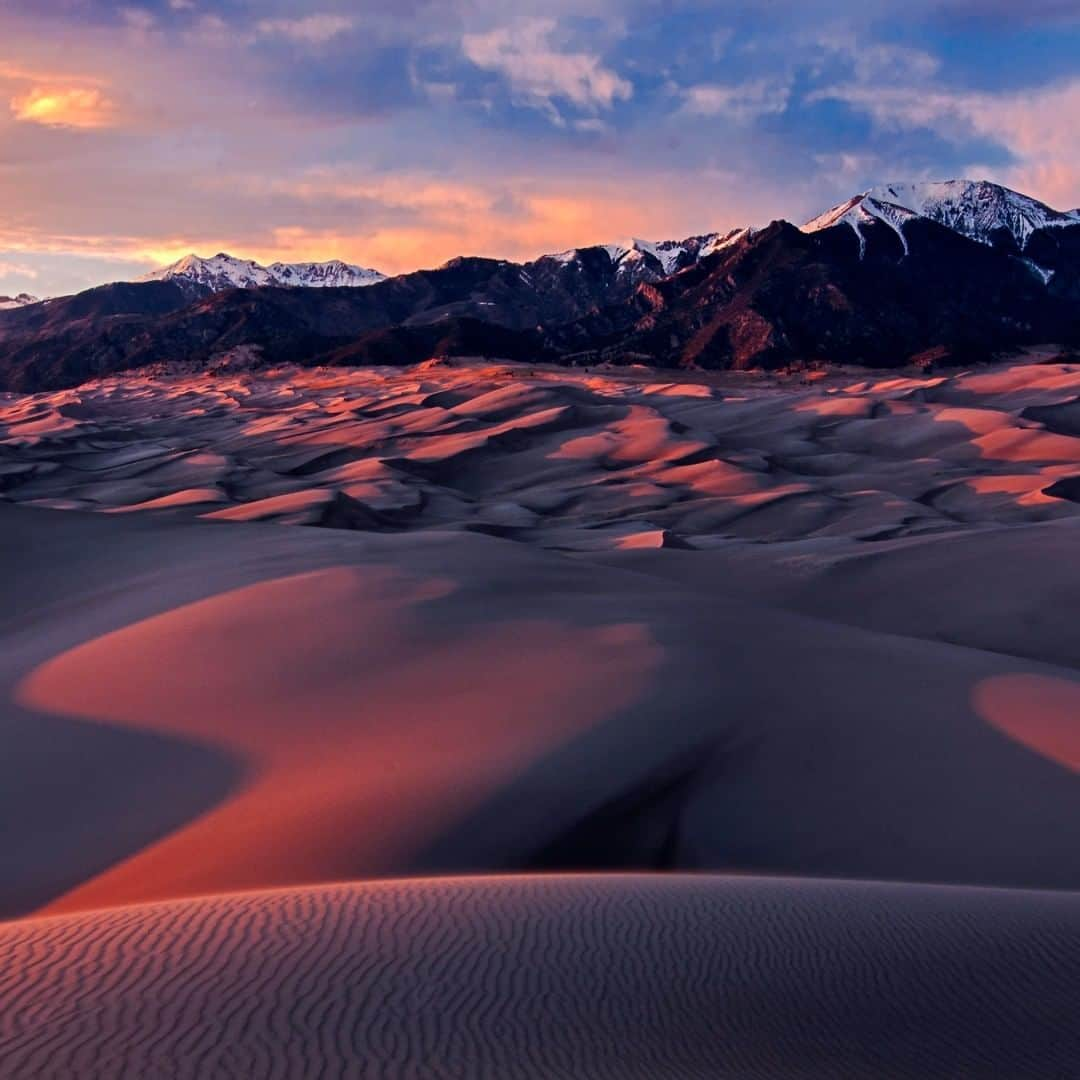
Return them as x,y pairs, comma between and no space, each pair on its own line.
1040,272
224,271
720,241
863,210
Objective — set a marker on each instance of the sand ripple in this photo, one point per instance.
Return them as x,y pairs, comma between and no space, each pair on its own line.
576,978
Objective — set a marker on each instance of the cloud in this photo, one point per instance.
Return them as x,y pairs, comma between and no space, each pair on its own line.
743,104
71,107
495,221
308,29
395,223
10,269
875,62
1039,127
25,74
539,74
62,273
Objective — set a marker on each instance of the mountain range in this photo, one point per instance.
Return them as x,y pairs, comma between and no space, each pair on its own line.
223,271
926,272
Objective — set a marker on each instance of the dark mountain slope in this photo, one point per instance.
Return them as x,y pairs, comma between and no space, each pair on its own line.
126,326
64,341
782,295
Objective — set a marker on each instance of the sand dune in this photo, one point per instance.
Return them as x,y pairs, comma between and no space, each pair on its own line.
1042,713
351,704
507,654
363,729
1011,591
577,978
705,459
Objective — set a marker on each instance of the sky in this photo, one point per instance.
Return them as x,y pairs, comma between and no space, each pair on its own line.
397,135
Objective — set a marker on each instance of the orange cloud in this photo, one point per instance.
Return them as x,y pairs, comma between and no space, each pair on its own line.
409,222
537,225
73,107
424,221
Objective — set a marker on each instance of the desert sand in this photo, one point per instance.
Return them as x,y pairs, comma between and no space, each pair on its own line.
614,976
554,620
562,458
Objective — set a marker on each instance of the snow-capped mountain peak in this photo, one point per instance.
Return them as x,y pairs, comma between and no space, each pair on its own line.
639,258
978,209
865,209
220,271
330,274
224,271
21,300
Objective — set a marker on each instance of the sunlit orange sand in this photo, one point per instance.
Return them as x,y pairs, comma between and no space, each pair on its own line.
1040,712
560,458
362,727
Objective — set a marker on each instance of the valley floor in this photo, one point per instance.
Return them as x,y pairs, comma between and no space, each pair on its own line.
556,620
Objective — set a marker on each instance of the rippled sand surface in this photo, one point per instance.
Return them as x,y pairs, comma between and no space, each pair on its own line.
607,977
